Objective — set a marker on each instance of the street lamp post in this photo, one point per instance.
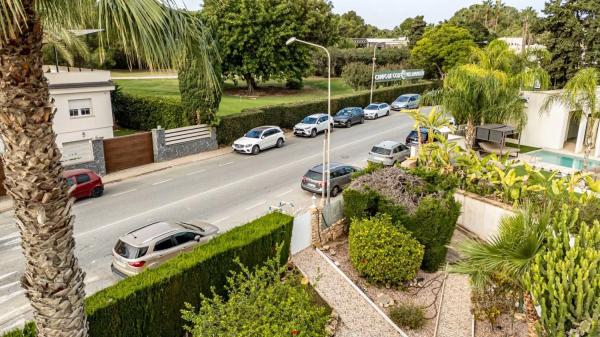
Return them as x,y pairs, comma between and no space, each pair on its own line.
325,194
373,73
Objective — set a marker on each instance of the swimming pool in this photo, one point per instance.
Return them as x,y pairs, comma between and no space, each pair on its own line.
562,159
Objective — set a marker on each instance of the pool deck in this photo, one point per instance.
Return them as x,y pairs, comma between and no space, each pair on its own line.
536,162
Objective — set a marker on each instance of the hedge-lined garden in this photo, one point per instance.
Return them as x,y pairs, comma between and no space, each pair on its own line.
413,203
287,115
150,304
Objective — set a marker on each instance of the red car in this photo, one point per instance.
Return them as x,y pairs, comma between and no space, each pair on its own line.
87,182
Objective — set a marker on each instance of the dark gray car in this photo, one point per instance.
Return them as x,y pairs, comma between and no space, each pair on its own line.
340,174
349,116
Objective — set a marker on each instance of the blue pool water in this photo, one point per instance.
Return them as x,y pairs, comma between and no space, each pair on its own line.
562,159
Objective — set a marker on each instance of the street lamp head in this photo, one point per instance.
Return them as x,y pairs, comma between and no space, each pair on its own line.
290,41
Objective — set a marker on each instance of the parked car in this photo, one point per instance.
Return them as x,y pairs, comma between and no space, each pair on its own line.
413,137
258,139
388,153
87,183
376,110
349,116
408,101
153,244
312,125
340,174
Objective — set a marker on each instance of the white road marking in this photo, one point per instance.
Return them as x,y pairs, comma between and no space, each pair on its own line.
12,242
83,203
284,193
195,172
220,187
121,193
219,220
11,296
19,323
224,164
9,236
8,285
256,205
7,275
162,181
11,314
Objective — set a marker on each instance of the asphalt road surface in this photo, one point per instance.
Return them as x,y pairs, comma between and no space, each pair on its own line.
227,191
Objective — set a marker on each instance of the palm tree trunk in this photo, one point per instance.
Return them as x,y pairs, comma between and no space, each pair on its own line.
469,134
531,316
52,277
590,138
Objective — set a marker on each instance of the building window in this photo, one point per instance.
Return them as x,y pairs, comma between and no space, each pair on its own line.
80,108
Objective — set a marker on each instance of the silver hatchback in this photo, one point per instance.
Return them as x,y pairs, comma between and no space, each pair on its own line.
388,153
153,244
340,175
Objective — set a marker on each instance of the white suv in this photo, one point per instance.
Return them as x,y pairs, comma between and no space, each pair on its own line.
258,139
313,124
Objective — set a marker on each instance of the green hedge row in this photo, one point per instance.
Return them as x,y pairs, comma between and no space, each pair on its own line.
287,115
148,112
432,223
149,304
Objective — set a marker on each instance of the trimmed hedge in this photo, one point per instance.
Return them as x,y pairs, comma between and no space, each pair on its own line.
287,115
148,112
149,304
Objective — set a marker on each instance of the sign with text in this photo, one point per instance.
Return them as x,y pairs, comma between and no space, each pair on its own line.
398,75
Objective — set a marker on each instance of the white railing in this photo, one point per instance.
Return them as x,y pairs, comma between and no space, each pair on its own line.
187,134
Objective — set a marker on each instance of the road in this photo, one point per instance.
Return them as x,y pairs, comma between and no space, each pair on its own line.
227,191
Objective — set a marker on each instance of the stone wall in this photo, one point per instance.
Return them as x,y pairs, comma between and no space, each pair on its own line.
321,234
164,151
97,165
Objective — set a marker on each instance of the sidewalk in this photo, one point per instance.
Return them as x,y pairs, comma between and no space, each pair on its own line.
6,201
357,317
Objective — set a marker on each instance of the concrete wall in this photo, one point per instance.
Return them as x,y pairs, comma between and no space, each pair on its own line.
164,152
98,163
548,129
479,215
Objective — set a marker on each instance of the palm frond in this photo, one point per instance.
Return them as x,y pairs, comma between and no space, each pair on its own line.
66,43
12,19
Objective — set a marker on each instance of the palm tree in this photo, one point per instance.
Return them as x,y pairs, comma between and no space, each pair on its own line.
153,33
580,96
508,254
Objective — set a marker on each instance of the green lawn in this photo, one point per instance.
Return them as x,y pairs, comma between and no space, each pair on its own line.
522,148
140,73
235,98
124,132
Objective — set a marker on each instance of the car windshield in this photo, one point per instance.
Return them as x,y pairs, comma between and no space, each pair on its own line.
402,99
381,150
345,112
373,107
128,251
314,175
253,134
309,120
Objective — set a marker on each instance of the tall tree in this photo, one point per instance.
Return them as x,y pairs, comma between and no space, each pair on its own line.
252,33
416,30
573,35
497,18
150,31
442,48
352,25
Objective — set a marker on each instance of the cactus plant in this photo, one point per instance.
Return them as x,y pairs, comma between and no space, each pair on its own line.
564,278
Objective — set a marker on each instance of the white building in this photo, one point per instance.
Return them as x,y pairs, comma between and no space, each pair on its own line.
381,42
83,109
516,44
556,128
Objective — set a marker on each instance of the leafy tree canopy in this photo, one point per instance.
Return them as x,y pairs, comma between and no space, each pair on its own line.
496,17
442,48
251,35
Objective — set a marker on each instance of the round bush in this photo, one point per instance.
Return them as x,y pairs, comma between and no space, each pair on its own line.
408,316
383,252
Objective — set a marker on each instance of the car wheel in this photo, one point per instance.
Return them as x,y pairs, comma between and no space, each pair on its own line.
313,133
255,149
348,124
335,191
279,142
97,191
387,113
362,120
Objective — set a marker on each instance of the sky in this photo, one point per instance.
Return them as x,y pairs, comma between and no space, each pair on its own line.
390,13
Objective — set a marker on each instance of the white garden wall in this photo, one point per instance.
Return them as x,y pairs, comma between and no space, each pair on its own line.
479,215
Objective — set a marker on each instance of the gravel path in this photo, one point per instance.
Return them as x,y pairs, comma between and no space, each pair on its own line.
455,316
358,318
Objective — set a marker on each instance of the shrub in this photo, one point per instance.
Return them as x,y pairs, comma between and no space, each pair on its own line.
287,115
588,212
357,75
340,57
28,331
428,213
408,316
259,303
498,296
383,252
148,112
